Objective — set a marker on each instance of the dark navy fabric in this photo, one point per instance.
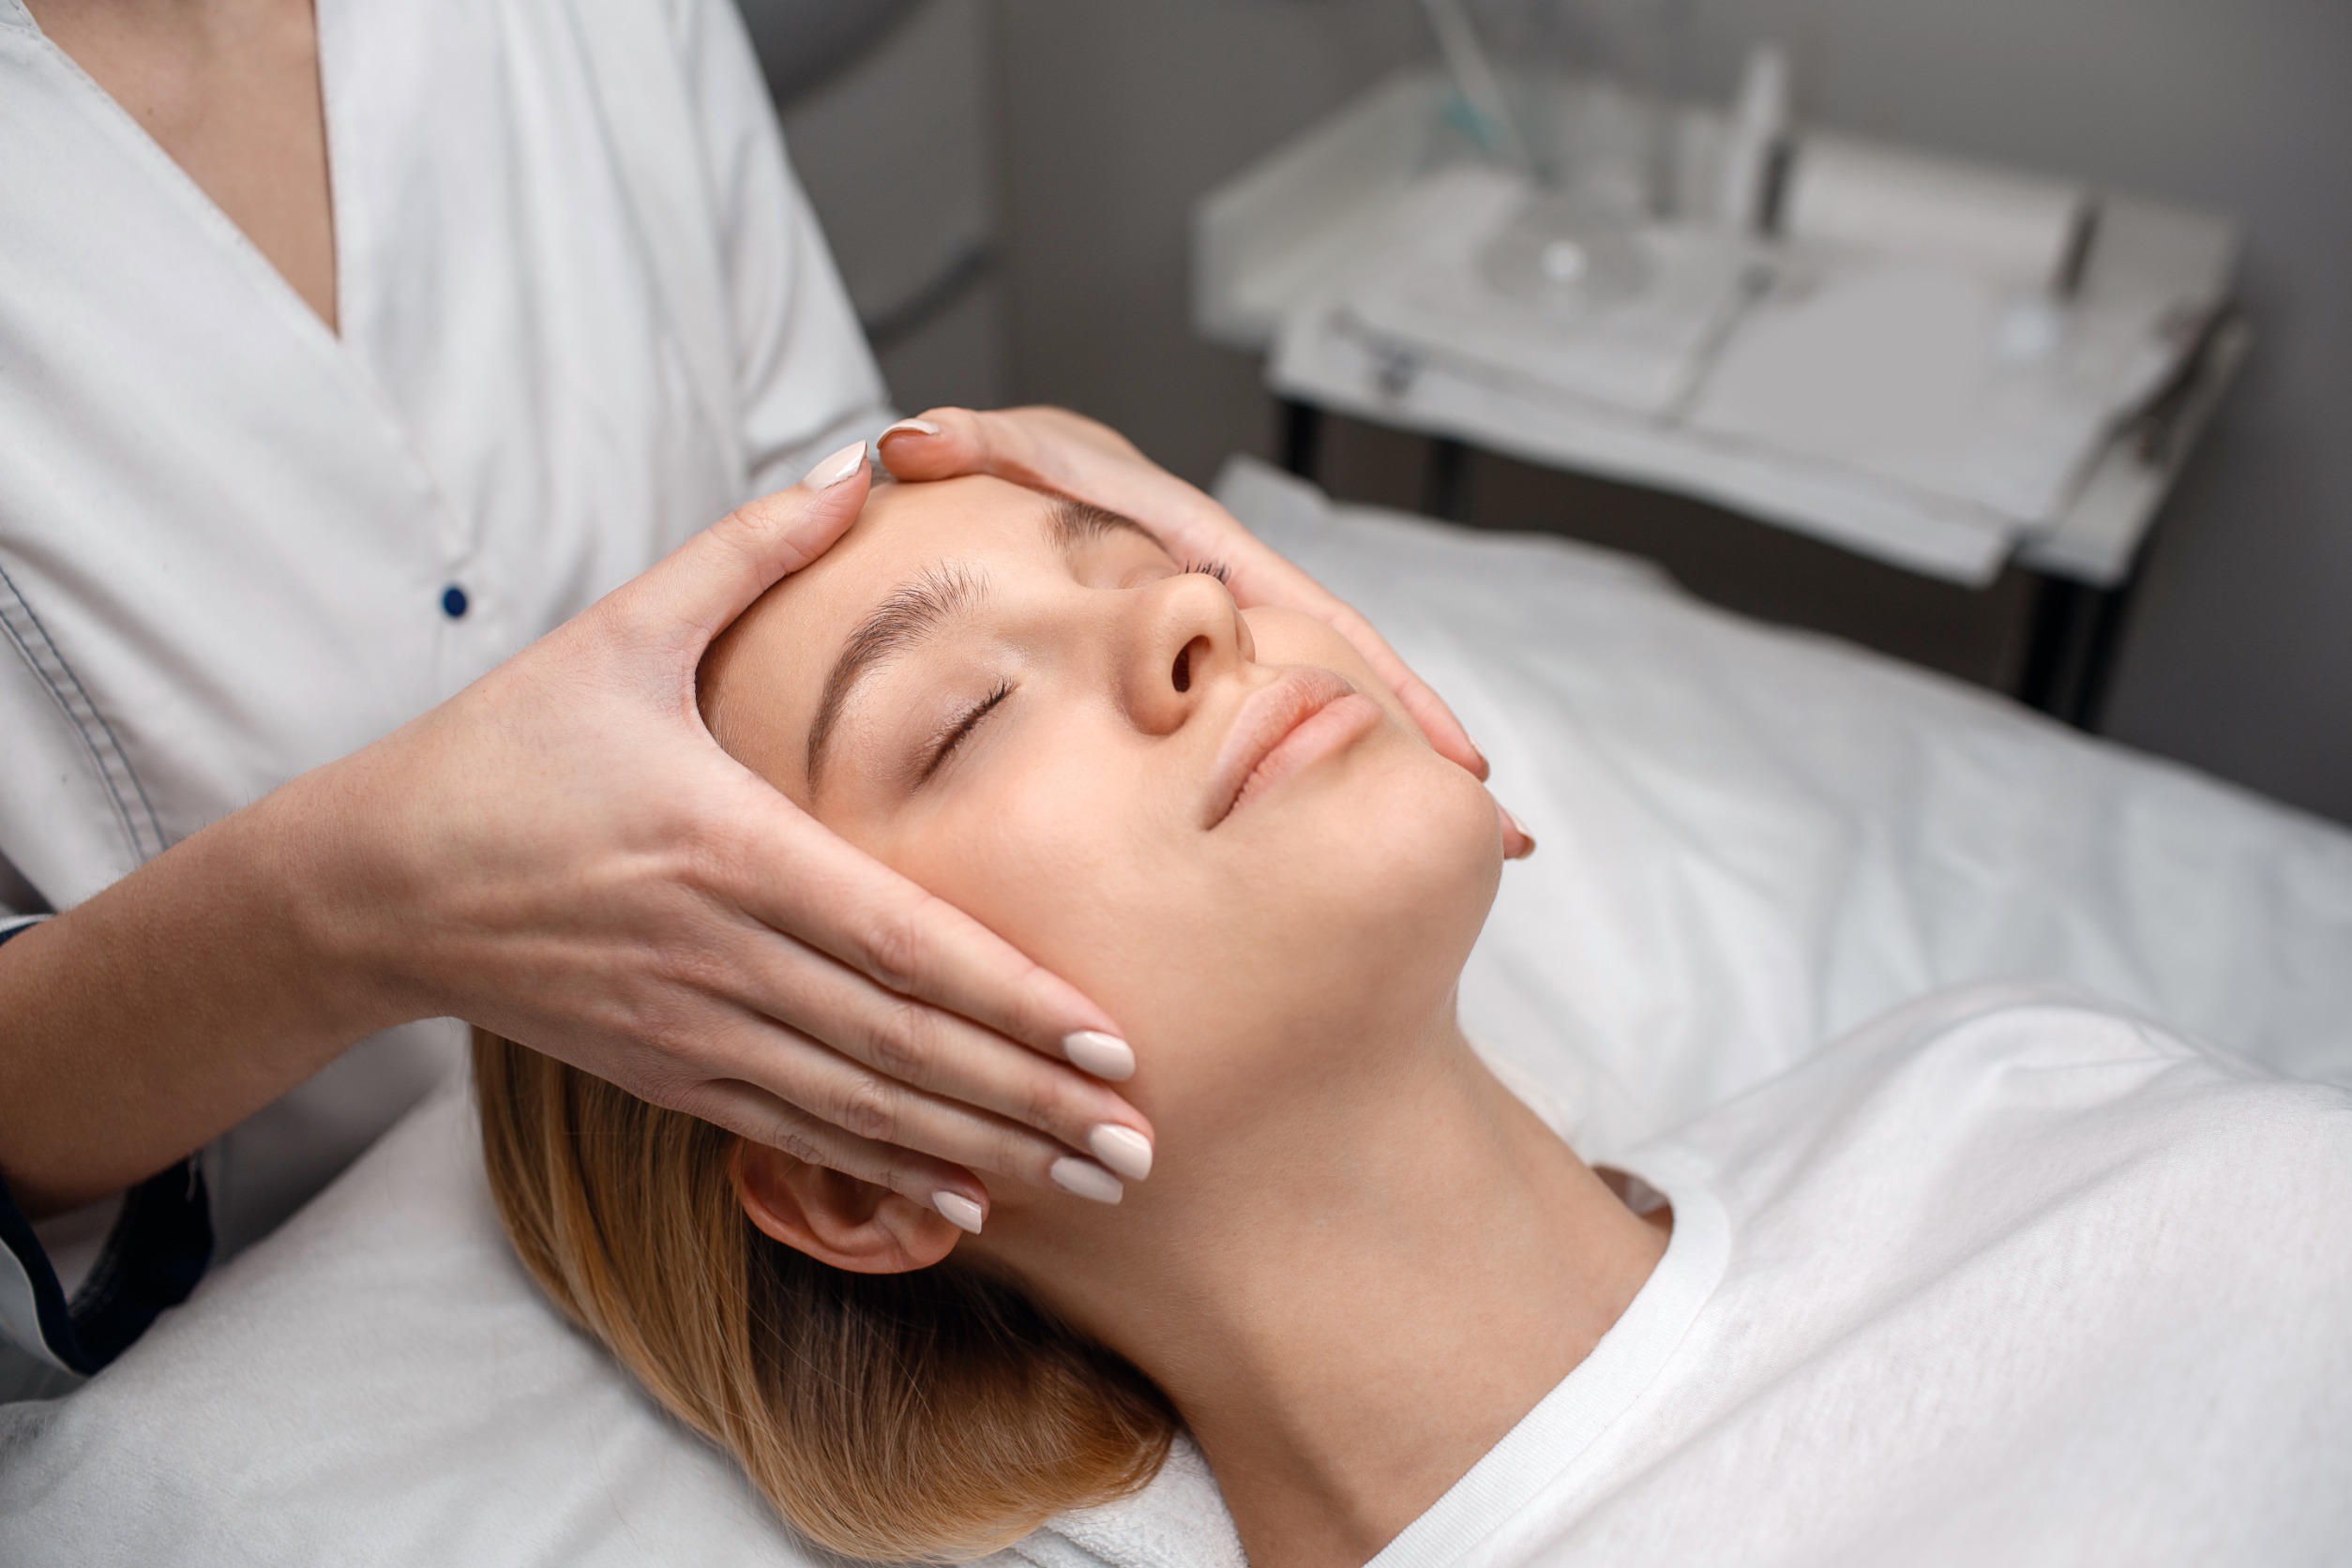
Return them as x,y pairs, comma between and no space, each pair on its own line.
157,1251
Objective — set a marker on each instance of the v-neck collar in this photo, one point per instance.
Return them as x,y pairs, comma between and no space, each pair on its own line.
338,353
169,170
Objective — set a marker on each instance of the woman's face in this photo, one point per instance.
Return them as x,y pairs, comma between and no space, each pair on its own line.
1215,822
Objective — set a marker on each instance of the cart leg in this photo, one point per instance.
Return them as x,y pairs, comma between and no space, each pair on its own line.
2072,650
1302,438
1445,482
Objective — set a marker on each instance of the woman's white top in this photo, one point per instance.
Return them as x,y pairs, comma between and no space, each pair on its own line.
2021,1283
1998,1280
584,311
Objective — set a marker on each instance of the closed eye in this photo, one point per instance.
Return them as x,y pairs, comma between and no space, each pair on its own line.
957,732
1217,569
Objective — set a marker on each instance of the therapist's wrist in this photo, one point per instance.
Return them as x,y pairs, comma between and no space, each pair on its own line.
341,870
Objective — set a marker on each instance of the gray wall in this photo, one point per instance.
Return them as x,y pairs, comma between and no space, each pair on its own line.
1114,118
897,151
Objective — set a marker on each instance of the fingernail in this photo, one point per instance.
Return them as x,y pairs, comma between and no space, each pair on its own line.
1516,827
1106,1056
840,465
1124,1149
1480,755
958,1210
1086,1179
907,427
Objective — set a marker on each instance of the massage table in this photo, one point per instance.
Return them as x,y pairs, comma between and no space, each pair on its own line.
1752,840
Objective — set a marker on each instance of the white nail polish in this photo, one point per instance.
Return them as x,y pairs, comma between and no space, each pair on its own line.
1086,1179
958,1210
833,470
1106,1056
1124,1149
1519,827
917,426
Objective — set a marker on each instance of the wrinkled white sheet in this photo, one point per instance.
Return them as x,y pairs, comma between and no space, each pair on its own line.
1751,841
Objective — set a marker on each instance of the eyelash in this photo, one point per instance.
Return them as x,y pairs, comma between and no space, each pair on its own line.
962,729
1217,569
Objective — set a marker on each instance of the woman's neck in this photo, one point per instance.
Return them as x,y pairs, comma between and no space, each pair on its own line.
1352,1303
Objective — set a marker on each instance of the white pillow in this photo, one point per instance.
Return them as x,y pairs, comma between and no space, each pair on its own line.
378,1382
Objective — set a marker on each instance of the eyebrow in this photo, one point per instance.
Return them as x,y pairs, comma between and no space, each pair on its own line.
898,623
1074,523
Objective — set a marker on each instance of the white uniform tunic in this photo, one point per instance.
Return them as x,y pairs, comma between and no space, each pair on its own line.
584,311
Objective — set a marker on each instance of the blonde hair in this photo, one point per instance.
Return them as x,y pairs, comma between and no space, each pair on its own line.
928,1416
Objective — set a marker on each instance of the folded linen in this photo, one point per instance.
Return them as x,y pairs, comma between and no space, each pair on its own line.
1824,383
1637,344
1940,380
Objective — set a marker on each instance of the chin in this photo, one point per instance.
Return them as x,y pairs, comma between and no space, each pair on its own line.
1337,926
1383,875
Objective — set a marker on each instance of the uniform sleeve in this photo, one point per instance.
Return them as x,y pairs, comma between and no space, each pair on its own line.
156,1252
807,381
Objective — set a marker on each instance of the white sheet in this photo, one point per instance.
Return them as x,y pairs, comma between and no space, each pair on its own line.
1754,839
1751,840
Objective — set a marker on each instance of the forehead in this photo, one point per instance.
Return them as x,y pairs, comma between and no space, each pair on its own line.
905,528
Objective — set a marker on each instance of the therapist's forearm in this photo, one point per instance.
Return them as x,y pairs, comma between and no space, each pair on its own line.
138,1026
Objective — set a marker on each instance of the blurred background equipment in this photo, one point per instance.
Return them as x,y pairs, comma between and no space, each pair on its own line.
889,116
1936,363
1042,162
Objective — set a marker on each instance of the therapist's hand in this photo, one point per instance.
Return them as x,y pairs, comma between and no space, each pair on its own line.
562,853
1054,449
565,856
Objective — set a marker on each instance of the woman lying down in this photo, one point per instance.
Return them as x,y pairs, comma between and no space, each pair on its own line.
1999,1280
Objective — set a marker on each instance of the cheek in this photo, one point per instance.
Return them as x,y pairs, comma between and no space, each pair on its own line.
1068,848
1081,854
1349,897
1362,890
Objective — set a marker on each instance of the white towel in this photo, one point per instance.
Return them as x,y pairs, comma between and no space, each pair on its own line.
1178,1521
1934,378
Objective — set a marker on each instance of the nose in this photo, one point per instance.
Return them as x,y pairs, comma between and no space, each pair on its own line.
1189,635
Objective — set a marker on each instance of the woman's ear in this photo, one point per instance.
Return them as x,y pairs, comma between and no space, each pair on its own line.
837,1219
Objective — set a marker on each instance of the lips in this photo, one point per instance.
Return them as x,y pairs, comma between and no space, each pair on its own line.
1280,730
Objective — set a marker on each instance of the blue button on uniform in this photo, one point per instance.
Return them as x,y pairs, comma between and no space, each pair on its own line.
453,602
